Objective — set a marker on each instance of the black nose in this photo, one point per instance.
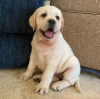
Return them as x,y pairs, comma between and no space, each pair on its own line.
52,21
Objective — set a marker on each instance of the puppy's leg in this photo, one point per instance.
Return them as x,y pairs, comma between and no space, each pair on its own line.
70,76
55,79
43,86
38,78
30,70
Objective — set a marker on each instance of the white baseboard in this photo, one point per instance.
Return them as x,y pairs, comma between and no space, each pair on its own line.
46,2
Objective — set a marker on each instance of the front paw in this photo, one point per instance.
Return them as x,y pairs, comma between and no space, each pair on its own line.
42,88
24,76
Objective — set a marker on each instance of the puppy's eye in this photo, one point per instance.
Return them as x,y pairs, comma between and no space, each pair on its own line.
57,17
44,15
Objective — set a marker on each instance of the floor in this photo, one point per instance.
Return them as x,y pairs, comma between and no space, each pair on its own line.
11,87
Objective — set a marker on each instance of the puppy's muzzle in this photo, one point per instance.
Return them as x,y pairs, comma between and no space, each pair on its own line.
51,22
49,33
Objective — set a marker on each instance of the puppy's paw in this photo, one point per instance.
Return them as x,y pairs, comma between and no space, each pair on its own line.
37,78
42,88
57,86
24,76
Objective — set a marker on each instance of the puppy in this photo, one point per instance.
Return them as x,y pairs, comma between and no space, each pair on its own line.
51,53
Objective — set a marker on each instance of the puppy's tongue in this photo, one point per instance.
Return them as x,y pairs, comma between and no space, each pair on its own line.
49,33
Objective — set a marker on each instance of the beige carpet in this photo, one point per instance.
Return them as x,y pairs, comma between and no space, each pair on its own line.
11,87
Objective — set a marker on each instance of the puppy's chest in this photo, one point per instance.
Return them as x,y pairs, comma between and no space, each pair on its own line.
41,53
41,61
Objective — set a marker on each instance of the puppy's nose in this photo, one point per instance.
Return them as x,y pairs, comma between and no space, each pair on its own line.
52,21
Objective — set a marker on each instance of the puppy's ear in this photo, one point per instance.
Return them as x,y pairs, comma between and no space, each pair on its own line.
32,20
62,23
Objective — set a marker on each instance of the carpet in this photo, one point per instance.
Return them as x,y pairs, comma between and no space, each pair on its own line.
11,87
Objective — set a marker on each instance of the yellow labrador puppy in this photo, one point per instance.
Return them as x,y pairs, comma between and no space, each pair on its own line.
51,53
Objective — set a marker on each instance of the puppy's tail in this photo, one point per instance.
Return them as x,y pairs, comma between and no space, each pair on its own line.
77,86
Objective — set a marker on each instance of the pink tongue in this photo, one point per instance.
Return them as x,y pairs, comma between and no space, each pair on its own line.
49,33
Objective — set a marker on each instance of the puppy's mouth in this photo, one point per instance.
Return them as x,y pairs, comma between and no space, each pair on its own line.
48,33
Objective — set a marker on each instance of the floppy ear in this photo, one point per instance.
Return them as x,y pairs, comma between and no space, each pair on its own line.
32,20
62,23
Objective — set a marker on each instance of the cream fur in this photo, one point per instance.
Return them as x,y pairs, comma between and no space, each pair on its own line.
51,55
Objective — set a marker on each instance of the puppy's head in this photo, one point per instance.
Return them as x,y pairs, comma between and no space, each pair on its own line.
48,20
